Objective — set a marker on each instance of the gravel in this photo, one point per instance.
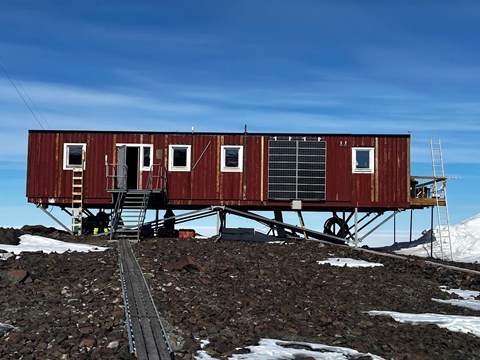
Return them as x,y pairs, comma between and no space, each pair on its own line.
232,294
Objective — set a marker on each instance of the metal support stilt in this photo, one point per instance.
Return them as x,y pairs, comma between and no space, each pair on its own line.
376,227
302,224
411,224
394,228
280,229
40,206
356,226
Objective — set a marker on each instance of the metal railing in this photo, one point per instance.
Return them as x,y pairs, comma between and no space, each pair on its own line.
157,178
425,187
116,175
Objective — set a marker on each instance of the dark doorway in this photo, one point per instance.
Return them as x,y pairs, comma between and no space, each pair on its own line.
132,167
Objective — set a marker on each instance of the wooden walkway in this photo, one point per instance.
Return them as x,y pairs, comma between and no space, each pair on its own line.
146,333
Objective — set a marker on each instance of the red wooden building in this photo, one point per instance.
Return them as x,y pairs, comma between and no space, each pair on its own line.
249,171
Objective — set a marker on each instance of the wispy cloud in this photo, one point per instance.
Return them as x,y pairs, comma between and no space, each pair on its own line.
269,109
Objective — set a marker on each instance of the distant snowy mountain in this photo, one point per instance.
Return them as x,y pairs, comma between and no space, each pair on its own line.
465,243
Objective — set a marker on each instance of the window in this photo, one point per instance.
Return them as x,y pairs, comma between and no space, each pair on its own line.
179,157
72,155
363,160
232,158
146,160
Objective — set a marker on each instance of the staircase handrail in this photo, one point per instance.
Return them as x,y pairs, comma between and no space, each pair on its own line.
157,178
115,216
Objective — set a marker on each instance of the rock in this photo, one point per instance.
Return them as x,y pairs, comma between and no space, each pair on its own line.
41,346
185,262
15,276
87,330
10,236
113,344
88,343
6,255
38,230
15,337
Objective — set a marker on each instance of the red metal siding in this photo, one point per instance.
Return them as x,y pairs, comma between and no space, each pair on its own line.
339,170
205,184
256,173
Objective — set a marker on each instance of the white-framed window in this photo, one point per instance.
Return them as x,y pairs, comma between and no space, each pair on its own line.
179,157
363,160
232,158
146,153
73,155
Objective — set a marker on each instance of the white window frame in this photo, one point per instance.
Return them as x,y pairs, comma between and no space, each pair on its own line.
371,160
66,165
143,167
223,158
140,149
171,149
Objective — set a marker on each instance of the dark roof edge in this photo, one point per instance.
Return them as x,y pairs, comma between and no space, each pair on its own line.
209,133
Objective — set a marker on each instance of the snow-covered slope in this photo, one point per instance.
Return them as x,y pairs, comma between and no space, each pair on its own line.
465,242
30,243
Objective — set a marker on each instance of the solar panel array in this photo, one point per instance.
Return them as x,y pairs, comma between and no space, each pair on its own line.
296,170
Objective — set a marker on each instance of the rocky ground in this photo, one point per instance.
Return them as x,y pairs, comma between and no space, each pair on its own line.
63,306
233,294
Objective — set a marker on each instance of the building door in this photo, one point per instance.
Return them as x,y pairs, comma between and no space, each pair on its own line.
132,157
121,178
128,166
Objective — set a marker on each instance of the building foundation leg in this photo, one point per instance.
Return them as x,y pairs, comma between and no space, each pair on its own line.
40,206
280,230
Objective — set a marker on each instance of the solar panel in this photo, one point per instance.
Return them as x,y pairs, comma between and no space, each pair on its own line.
296,170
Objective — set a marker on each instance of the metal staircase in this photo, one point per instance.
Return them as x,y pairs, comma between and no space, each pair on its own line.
442,248
131,205
129,214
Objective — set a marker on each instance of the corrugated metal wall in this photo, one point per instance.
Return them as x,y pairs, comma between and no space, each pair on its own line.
206,184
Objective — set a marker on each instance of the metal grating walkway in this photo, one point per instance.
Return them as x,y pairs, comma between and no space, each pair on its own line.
147,334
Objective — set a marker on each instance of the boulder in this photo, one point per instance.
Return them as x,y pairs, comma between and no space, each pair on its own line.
184,263
15,276
10,236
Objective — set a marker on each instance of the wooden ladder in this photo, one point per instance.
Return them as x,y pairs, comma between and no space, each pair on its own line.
77,198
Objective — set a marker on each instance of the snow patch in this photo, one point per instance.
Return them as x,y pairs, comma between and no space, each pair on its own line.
464,294
469,304
31,243
348,262
270,349
468,298
457,323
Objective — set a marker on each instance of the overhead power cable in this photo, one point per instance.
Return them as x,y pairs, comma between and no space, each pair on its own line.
20,94
37,110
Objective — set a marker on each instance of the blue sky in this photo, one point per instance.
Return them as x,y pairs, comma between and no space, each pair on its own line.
289,66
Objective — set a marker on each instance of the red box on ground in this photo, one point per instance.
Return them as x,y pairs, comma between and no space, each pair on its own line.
186,234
